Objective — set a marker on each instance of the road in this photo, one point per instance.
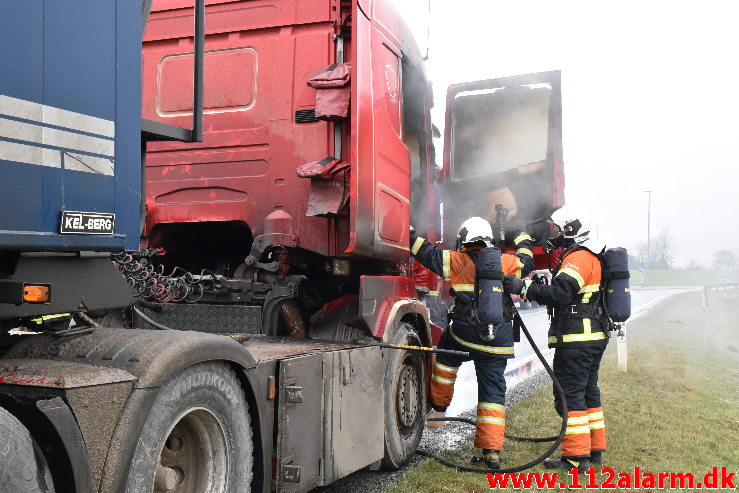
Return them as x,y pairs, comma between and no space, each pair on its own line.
526,362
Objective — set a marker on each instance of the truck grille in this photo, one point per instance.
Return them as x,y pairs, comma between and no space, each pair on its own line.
305,116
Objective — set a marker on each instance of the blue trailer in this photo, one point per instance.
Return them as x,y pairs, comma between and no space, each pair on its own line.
70,152
70,125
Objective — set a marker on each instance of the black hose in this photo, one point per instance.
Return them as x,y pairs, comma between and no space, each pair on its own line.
150,320
549,451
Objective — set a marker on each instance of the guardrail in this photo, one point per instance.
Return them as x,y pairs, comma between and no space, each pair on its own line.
716,287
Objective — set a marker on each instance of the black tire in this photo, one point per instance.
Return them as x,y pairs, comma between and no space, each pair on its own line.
405,399
197,436
23,468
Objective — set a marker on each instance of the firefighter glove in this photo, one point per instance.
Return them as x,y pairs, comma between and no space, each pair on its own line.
537,279
512,285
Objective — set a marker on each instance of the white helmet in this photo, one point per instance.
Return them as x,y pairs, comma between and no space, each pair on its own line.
576,232
473,230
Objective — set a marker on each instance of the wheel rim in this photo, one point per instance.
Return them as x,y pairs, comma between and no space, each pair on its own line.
194,458
407,397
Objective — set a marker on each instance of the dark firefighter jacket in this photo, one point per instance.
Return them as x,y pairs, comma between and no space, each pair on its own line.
574,297
459,269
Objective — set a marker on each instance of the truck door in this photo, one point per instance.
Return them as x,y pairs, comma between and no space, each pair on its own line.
503,147
380,186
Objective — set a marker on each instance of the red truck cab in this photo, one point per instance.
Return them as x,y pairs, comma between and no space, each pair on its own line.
260,127
334,194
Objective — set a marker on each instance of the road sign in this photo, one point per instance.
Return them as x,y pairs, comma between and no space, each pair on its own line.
641,268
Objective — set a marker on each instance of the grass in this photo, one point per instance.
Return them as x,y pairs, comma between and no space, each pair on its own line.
684,277
675,410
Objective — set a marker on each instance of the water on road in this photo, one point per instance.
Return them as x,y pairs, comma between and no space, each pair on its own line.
526,362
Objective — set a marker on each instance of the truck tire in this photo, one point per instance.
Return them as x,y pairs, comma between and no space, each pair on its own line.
197,437
405,399
23,468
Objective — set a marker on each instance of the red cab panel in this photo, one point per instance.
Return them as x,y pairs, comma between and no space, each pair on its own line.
259,56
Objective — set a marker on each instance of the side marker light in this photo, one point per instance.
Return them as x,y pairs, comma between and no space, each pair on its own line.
36,293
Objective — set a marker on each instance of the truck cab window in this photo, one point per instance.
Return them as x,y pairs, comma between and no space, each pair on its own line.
415,135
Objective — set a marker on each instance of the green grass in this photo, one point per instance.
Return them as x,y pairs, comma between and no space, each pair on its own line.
684,277
675,410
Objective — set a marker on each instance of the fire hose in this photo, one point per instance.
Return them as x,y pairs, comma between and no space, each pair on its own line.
556,439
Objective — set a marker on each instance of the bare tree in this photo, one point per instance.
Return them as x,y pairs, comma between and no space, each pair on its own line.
724,260
660,253
641,253
663,248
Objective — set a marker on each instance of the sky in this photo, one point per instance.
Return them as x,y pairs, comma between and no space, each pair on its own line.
650,95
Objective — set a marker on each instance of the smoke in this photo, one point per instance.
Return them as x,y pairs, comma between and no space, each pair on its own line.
496,130
500,144
629,124
499,157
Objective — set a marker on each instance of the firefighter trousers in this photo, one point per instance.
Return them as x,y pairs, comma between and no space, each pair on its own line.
576,370
491,387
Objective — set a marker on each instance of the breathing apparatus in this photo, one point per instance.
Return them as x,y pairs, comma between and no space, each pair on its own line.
486,311
616,293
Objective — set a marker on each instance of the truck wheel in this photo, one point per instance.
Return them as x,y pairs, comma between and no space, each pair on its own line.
197,438
23,468
405,398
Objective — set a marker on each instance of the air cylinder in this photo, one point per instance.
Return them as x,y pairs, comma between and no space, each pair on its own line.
490,286
618,293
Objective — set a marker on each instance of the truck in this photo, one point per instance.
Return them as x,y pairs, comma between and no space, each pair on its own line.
204,236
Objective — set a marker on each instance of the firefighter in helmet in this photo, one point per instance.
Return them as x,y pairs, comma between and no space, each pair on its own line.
578,332
490,356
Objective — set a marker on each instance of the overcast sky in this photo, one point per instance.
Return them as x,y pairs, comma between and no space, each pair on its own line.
650,102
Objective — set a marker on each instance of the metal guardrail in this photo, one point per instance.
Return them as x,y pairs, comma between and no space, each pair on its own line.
716,287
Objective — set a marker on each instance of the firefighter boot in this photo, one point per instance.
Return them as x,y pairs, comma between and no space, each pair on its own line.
435,415
491,458
596,457
581,465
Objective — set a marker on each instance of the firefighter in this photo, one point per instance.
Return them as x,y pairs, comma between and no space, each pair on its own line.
578,332
490,357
